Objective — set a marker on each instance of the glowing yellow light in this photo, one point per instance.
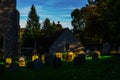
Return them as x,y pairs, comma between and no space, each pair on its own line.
8,60
22,62
34,57
59,55
43,58
98,53
70,56
114,52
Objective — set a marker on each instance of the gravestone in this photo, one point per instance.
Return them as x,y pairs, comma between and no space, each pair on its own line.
95,56
49,59
81,58
106,48
30,65
119,50
14,67
37,64
2,69
57,62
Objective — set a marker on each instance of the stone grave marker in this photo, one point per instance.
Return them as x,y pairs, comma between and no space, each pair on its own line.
106,48
119,50
14,67
37,64
30,65
48,59
94,56
57,62
80,58
2,69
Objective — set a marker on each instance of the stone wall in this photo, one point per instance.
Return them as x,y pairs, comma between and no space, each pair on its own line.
9,27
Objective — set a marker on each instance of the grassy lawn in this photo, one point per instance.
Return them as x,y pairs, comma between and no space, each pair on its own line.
107,68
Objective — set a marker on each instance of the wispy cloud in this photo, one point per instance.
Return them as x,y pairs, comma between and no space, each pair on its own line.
55,10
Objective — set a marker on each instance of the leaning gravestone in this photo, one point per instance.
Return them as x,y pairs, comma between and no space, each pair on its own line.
14,67
106,48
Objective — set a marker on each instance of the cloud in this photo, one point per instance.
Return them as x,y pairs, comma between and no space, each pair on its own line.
22,23
55,10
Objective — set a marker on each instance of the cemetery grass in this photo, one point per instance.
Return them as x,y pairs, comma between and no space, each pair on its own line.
103,69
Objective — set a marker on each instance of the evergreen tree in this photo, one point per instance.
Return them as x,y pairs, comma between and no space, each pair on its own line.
32,29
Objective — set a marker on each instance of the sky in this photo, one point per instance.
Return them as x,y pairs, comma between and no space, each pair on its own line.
55,10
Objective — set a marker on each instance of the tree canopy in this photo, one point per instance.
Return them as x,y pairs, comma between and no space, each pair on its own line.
97,22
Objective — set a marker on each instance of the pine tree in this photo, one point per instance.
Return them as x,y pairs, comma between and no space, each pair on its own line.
32,29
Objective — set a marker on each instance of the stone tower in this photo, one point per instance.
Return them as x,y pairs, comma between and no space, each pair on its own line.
9,28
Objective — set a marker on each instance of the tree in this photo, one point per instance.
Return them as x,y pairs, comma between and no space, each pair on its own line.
109,10
49,28
32,29
58,26
77,23
85,23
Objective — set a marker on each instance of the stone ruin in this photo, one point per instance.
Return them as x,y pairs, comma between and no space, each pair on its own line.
9,28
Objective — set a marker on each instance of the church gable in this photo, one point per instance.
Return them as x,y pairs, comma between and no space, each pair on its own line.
66,38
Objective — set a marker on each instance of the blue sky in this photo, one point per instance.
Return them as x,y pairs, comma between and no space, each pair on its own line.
55,10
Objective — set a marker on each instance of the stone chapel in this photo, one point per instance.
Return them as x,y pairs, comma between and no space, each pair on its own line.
9,28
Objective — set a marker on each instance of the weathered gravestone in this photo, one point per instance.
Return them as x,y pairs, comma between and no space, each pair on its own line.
57,62
106,48
94,56
14,67
81,58
52,60
36,64
2,69
30,65
48,59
